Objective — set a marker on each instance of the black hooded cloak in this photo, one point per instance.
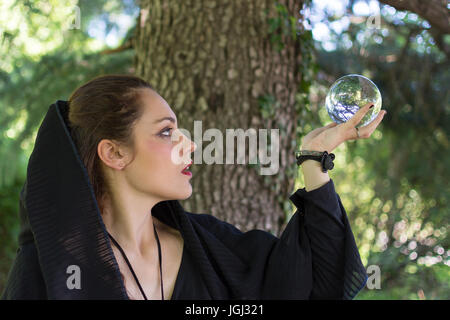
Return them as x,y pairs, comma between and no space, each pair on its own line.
315,257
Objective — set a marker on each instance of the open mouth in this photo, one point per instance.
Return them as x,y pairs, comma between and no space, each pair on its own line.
186,170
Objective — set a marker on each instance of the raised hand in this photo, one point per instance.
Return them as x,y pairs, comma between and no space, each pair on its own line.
329,137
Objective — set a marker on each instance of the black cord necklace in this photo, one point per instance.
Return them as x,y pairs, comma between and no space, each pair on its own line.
131,269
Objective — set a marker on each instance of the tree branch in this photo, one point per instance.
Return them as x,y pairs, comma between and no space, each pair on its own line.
125,46
434,11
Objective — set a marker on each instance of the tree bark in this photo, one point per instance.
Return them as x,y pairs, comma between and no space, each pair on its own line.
211,61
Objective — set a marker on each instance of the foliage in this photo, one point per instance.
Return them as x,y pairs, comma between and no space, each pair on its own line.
282,24
42,61
399,211
268,105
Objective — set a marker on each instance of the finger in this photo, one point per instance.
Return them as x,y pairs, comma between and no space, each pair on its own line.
322,129
366,131
330,125
353,121
318,131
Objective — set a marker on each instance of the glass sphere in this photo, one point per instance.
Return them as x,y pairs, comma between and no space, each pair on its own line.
350,93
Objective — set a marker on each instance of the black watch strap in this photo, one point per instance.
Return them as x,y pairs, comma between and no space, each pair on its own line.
325,158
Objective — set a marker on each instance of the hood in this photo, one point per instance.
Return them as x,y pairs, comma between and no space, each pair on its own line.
59,212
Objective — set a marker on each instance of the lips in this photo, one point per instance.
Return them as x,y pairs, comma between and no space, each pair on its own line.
187,167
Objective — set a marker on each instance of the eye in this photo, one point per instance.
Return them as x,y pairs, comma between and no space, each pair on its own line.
165,130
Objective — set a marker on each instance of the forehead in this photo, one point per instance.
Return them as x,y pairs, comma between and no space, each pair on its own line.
155,107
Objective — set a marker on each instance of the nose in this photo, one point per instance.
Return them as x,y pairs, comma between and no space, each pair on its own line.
193,146
188,144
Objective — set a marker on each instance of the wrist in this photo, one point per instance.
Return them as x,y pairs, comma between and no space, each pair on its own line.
312,148
324,158
313,175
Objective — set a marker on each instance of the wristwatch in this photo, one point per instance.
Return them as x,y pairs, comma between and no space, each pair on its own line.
325,158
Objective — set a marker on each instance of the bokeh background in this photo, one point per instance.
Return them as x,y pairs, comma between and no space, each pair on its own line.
394,186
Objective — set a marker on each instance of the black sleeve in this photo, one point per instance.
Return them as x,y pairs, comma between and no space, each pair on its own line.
25,280
316,256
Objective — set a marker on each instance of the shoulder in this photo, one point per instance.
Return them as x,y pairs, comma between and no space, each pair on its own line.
210,221
222,229
25,280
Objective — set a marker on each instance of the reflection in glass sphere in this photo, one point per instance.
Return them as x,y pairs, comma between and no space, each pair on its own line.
350,93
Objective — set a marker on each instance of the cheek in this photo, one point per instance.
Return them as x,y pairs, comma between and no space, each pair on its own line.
153,171
152,167
158,155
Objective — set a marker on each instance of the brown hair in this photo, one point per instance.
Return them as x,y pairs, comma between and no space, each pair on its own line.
106,107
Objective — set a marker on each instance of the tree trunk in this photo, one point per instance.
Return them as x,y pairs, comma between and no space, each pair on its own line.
213,61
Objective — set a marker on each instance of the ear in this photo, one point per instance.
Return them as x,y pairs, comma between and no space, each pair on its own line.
112,154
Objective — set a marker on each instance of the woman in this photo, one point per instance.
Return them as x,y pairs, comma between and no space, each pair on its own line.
100,217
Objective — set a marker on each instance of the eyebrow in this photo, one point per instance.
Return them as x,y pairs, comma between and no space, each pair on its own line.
165,118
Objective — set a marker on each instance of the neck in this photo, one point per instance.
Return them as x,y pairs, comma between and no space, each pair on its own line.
129,220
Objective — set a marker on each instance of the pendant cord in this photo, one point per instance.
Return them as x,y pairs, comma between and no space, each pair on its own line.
131,269
160,262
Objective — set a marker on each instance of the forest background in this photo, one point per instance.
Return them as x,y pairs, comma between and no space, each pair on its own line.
394,186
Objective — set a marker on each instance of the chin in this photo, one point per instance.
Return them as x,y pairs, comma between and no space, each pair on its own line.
184,195
187,194
177,193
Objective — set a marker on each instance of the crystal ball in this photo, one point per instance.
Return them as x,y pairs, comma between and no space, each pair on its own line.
350,93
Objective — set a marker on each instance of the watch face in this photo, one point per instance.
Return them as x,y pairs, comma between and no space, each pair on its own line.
329,162
331,166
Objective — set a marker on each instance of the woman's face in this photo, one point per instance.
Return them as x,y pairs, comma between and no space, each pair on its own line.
152,170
